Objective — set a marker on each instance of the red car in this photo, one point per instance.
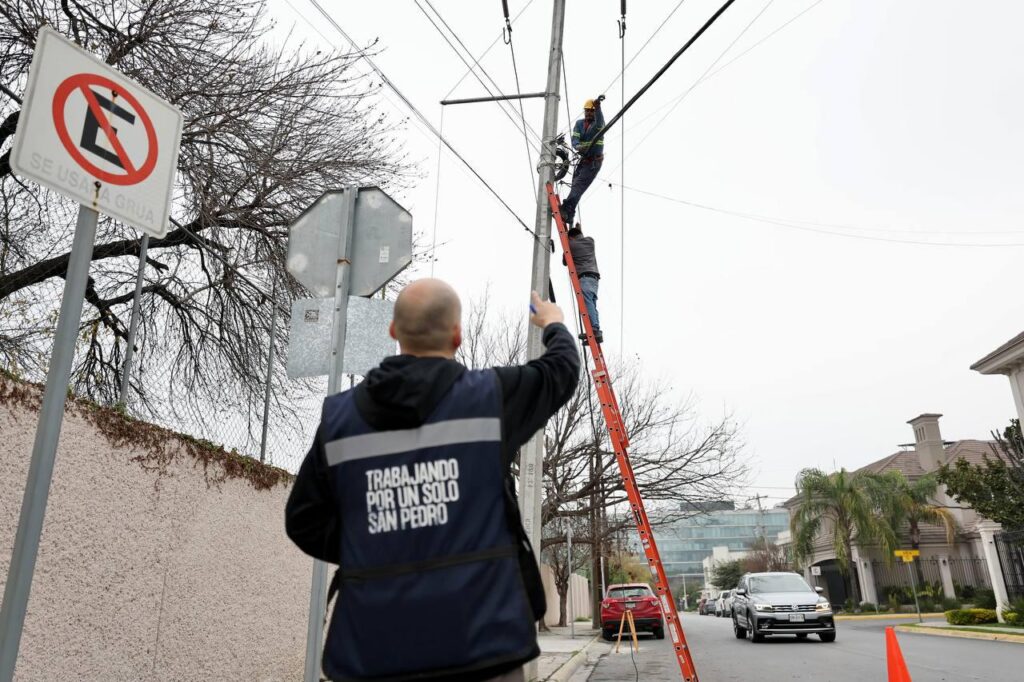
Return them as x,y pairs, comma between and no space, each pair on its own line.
635,597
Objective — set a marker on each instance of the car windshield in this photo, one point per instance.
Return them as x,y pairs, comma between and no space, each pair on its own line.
628,592
777,583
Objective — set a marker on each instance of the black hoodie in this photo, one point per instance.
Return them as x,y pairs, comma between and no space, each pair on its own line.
401,394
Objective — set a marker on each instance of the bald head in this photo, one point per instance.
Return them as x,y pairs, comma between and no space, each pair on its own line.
428,319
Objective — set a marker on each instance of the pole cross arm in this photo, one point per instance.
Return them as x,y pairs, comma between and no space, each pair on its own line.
499,98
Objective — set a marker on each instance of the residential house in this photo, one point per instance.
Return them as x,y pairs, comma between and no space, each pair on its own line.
951,566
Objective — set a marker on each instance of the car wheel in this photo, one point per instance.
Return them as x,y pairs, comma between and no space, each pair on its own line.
755,636
827,636
740,632
608,635
659,633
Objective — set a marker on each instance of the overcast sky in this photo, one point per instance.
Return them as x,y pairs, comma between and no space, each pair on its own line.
860,134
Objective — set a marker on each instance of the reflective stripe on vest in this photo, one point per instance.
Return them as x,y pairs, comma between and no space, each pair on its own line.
430,436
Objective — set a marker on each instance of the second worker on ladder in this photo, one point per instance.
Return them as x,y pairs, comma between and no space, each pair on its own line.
584,257
591,155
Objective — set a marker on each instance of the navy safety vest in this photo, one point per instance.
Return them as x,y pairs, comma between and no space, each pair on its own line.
430,576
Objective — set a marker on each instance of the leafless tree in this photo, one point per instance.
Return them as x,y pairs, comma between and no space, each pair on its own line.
679,461
268,126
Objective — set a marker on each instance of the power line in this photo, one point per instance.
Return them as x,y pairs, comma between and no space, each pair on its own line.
501,103
702,77
483,54
642,48
515,71
805,228
633,100
419,115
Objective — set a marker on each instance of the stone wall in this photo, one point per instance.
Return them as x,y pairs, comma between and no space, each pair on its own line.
159,569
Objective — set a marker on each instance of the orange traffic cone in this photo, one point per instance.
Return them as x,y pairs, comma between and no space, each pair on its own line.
894,658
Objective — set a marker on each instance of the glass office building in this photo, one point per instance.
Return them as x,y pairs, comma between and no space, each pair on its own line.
684,544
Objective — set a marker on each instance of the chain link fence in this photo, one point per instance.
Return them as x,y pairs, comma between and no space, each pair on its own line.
202,366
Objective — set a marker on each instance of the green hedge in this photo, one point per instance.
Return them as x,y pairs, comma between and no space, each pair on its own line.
971,616
1014,617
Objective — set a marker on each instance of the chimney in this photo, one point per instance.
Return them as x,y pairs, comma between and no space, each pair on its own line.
928,441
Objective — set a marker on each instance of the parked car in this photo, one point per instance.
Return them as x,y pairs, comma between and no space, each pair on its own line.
780,603
723,604
635,597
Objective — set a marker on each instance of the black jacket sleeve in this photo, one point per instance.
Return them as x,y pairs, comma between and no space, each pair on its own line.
533,392
311,515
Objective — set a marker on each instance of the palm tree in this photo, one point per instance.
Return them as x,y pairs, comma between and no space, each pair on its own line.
842,506
902,500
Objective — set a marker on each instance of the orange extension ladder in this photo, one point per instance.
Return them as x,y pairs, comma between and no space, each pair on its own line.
620,441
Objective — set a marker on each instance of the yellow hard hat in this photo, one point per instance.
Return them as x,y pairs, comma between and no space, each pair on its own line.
589,104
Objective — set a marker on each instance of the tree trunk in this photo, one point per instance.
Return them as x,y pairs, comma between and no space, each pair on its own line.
563,592
915,542
852,588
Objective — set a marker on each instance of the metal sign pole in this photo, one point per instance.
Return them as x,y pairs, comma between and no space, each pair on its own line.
572,611
913,588
133,327
318,593
270,374
44,452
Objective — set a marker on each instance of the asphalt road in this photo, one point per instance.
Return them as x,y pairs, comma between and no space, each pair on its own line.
857,655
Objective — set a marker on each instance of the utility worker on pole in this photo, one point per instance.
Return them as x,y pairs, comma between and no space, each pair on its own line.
584,257
408,488
591,156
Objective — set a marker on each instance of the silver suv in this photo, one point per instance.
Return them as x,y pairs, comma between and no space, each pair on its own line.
780,604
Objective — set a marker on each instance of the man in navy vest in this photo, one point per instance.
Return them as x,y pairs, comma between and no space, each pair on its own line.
408,488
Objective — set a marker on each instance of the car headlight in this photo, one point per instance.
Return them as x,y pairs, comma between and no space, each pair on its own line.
764,607
823,606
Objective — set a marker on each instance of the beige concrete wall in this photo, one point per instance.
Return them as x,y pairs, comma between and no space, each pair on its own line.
580,588
152,577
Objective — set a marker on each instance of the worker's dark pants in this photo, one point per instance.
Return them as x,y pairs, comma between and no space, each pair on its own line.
585,174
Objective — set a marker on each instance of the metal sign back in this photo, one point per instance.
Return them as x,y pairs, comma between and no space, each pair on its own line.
381,242
88,132
367,340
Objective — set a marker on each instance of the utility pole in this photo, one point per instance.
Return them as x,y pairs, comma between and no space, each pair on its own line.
760,511
532,457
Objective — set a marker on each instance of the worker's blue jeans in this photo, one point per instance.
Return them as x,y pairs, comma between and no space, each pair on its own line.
585,174
588,285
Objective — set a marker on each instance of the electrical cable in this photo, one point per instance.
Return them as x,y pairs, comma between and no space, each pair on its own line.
502,104
644,46
476,60
625,107
805,228
437,199
704,76
419,115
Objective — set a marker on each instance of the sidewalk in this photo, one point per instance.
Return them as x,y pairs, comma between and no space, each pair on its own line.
560,653
999,634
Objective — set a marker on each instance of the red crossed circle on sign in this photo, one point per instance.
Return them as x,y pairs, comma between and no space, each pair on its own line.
81,83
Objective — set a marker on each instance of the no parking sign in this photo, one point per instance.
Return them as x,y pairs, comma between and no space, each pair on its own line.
97,137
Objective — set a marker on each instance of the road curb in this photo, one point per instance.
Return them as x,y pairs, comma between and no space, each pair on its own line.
566,670
963,634
889,616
